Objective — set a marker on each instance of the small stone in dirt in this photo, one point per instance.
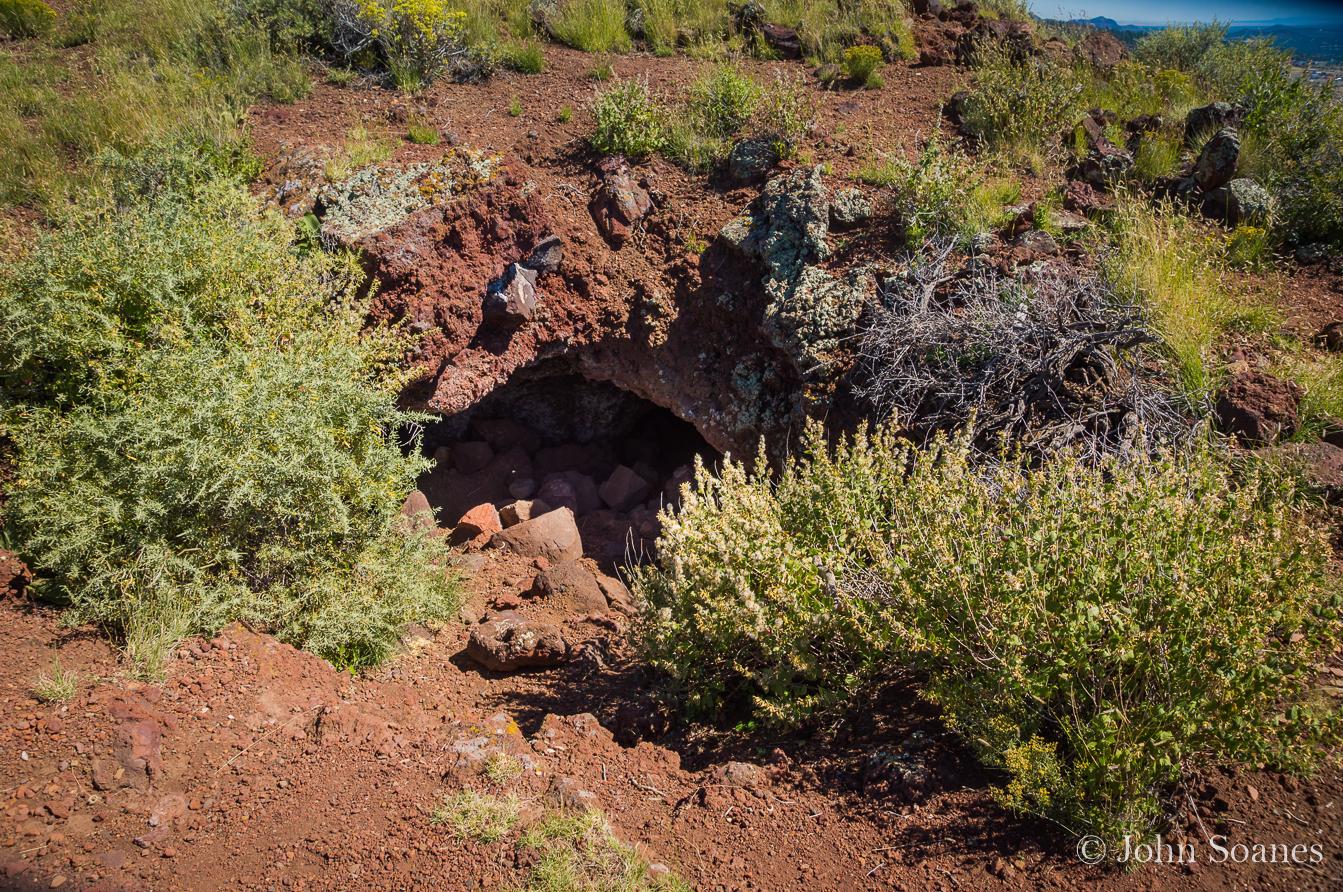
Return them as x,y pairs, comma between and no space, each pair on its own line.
512,299
567,793
1038,242
509,642
553,535
620,202
741,774
477,525
623,489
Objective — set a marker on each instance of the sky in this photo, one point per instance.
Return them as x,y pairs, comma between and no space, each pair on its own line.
1157,12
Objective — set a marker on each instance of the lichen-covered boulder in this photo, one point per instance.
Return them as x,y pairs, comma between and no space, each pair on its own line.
1241,201
1216,165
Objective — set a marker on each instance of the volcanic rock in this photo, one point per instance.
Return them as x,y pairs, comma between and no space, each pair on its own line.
508,642
620,202
553,535
1216,163
1257,408
573,584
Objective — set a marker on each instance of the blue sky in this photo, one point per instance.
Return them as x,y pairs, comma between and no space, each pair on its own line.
1157,12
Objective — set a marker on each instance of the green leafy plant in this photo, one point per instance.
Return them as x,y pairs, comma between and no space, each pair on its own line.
515,107
628,122
1094,629
941,193
565,114
205,429
1019,107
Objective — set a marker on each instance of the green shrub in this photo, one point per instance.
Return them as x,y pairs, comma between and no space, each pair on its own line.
593,26
26,18
1180,47
1093,630
860,63
207,432
628,122
722,102
1019,107
942,193
417,39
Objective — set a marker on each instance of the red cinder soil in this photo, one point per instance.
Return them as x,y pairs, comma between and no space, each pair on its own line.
256,766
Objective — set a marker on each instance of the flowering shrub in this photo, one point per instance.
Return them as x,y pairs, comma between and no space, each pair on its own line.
416,38
1094,630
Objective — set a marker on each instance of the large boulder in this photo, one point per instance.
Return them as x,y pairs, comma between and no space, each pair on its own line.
620,201
1216,165
508,642
554,536
1257,408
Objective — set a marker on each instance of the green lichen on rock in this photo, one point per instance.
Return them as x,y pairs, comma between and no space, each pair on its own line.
811,317
381,196
810,310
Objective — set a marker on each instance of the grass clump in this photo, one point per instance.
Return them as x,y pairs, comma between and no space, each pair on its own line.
525,58
422,133
205,429
861,65
1175,268
478,816
500,768
149,70
361,148
577,852
26,18
1096,630
1320,376
628,121
593,26
827,29
56,685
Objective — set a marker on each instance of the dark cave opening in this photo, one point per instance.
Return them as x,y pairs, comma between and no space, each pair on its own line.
550,438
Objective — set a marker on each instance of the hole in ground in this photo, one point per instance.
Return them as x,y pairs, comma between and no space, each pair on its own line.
553,436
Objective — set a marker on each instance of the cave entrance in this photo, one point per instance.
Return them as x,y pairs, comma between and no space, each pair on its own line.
553,437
